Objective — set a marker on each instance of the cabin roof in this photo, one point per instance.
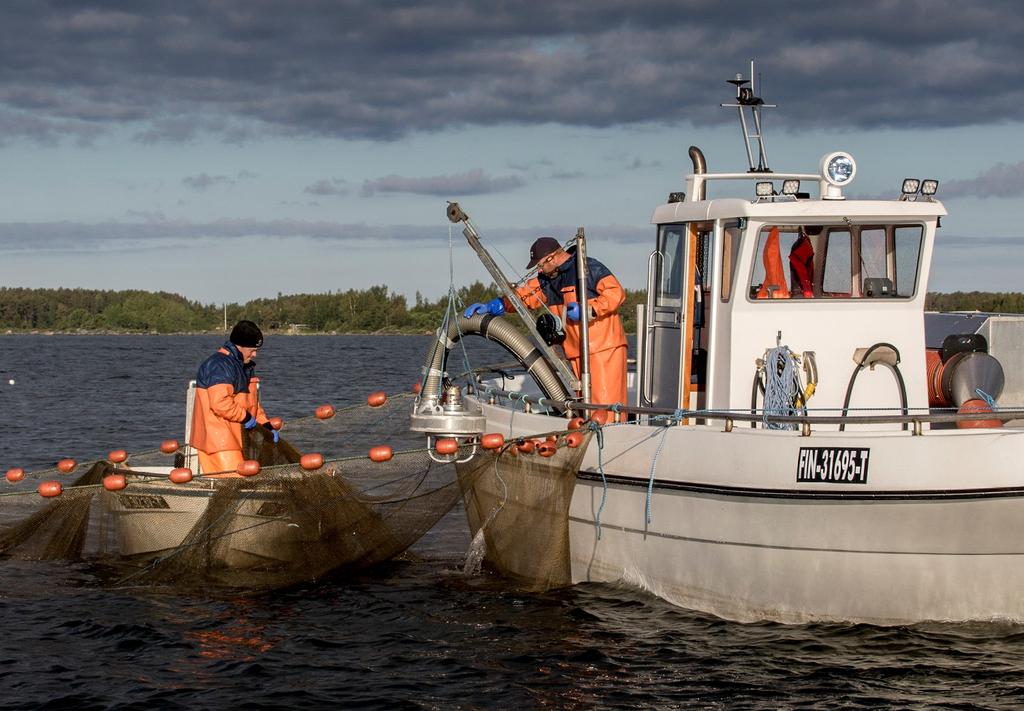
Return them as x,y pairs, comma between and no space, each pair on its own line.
801,211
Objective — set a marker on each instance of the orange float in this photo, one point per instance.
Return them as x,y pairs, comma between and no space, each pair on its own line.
49,489
15,475
311,461
180,475
547,449
526,446
599,416
169,446
377,399
276,422
117,456
446,445
325,412
381,453
492,440
250,467
577,423
416,387
574,439
114,482
67,465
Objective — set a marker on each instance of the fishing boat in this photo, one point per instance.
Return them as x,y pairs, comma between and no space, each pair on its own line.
795,447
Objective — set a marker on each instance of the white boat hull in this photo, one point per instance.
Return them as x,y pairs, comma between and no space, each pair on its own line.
152,518
732,532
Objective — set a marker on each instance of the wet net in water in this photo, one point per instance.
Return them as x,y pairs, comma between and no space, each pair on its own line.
285,525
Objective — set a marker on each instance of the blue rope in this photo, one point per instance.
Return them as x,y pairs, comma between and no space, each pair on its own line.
596,428
989,400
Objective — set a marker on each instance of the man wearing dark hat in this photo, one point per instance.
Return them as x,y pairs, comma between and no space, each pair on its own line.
227,400
555,287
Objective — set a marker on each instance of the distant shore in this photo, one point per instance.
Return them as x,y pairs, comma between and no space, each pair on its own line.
224,334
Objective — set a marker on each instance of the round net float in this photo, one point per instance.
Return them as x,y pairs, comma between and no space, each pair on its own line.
250,467
599,416
169,446
114,482
325,412
381,453
15,475
416,387
577,423
117,456
180,475
526,446
574,439
547,449
276,422
492,440
49,489
446,445
973,407
67,465
377,399
311,461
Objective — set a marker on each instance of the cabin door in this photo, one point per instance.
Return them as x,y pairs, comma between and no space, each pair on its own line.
666,276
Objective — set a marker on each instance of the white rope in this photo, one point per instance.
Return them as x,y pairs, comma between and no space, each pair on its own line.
780,389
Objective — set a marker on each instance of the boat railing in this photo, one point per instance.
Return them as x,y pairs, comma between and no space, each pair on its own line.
730,417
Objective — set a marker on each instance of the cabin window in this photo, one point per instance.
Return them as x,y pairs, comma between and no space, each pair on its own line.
670,266
730,258
836,262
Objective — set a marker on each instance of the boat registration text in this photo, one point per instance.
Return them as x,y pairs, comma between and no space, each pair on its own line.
833,465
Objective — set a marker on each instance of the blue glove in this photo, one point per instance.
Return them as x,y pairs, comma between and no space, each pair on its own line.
273,433
572,311
495,307
249,422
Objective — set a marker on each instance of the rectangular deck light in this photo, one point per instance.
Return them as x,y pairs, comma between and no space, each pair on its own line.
790,187
929,186
765,189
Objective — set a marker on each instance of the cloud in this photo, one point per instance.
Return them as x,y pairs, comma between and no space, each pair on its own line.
334,186
1003,180
202,182
239,69
473,182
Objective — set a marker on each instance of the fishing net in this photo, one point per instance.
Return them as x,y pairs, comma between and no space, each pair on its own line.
285,525
517,502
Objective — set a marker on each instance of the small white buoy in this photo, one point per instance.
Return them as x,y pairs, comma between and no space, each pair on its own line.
11,381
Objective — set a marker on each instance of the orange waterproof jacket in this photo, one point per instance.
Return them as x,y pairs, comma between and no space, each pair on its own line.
226,394
604,295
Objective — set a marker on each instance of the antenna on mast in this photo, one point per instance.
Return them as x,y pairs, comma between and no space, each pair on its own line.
745,98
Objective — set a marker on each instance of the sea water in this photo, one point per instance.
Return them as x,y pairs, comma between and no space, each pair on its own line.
426,633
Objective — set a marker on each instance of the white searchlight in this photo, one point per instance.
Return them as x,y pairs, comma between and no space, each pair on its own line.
838,169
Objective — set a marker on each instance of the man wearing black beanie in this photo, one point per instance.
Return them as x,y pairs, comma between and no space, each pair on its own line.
227,400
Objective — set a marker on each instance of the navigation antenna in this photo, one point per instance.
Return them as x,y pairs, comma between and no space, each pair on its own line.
745,98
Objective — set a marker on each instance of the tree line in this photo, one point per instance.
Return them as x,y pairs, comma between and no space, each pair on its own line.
372,310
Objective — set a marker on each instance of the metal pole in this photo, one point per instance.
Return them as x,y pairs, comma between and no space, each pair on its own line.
581,297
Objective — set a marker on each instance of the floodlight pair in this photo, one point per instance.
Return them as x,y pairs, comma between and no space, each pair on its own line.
928,187
766,188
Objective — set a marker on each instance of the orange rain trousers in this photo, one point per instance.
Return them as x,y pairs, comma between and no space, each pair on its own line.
226,462
607,378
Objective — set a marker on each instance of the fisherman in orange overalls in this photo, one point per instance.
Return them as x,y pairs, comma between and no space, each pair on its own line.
555,286
227,400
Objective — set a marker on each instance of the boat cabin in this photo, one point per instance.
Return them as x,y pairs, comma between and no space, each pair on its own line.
841,282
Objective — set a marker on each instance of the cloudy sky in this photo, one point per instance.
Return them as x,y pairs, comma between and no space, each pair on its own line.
233,149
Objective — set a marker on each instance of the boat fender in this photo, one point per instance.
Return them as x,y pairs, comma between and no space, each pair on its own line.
15,475
49,489
250,467
311,461
169,446
976,406
381,453
67,465
114,482
325,412
376,399
180,475
117,456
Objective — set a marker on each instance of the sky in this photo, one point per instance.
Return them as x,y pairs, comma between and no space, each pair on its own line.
228,150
